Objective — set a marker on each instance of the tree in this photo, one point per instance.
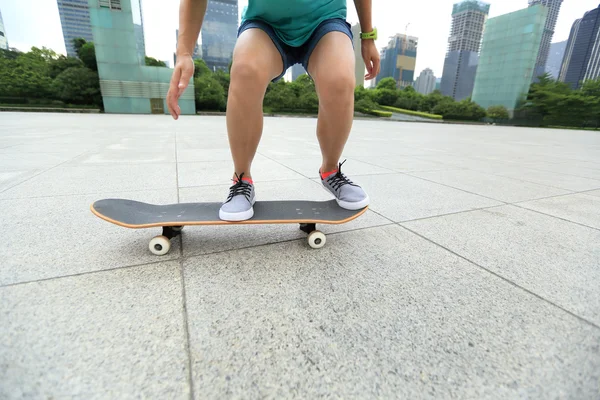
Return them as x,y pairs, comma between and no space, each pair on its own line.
78,43
62,63
497,113
87,54
280,97
200,68
387,83
78,85
209,94
153,62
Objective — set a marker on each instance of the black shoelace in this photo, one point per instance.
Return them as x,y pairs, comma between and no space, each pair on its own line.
338,179
240,188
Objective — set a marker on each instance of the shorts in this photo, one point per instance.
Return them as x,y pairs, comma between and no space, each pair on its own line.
299,55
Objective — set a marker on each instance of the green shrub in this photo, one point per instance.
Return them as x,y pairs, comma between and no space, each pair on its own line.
410,112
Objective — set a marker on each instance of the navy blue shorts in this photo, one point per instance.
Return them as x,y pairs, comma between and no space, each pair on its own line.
298,55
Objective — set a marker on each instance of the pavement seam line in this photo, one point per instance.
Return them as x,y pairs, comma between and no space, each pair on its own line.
502,278
556,216
44,171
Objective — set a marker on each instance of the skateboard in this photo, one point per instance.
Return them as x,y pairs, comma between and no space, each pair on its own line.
173,217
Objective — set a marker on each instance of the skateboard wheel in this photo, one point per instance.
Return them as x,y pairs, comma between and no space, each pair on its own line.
160,245
316,239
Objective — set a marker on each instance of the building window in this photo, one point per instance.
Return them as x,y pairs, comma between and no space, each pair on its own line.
112,4
157,106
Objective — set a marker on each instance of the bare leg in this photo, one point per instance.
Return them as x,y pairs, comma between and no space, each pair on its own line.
256,61
332,67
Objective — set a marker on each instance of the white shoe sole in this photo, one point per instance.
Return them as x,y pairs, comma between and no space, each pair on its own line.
240,216
353,206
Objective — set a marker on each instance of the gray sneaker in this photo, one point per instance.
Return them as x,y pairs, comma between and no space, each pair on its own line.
347,194
240,202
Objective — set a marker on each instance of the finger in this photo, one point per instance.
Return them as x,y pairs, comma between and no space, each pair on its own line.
172,104
376,66
184,80
369,68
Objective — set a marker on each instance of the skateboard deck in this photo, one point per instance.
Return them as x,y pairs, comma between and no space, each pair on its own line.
173,217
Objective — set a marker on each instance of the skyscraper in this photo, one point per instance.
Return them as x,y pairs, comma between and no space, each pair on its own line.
75,22
398,60
553,11
297,70
3,38
219,33
460,66
425,83
508,56
569,50
555,57
585,56
359,64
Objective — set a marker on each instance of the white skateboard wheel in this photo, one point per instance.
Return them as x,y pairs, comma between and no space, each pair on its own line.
160,245
316,239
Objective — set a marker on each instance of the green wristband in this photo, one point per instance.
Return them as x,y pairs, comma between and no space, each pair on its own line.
369,35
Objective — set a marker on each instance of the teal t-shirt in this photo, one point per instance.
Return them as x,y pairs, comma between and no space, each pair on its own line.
294,20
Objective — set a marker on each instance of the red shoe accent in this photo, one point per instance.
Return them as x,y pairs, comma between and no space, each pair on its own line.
249,180
327,174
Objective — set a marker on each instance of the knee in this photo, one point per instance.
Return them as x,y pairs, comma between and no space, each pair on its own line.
337,87
248,74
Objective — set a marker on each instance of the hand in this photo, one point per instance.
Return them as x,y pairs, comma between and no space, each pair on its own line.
371,58
183,72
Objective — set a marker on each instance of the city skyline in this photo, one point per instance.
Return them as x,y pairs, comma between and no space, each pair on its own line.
26,30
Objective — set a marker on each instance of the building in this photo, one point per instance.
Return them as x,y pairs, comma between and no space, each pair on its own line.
585,55
75,22
359,64
569,50
219,33
297,70
553,11
426,81
555,57
126,85
398,60
3,37
462,57
508,56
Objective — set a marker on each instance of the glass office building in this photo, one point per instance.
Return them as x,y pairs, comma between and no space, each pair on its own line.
219,33
462,57
584,56
3,38
126,84
508,57
75,22
553,11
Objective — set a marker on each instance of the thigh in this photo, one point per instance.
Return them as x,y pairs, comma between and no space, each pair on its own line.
332,58
256,51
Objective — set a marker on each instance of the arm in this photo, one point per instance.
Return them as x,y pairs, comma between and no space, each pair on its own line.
191,16
369,50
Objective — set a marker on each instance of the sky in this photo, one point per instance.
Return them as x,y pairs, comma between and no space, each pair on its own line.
37,23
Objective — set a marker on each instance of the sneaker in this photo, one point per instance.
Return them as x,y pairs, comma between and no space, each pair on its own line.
240,202
347,194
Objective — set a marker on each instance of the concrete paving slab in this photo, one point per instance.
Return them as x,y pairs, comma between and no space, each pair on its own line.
220,172
492,186
17,161
401,197
581,208
125,156
115,334
211,239
380,314
552,179
593,193
405,163
56,236
555,259
72,180
12,178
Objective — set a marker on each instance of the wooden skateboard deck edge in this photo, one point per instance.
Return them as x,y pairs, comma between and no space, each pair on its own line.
221,222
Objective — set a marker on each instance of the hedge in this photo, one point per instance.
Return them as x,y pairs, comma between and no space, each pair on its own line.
410,112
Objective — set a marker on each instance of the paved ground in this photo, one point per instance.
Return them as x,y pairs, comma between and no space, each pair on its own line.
476,273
